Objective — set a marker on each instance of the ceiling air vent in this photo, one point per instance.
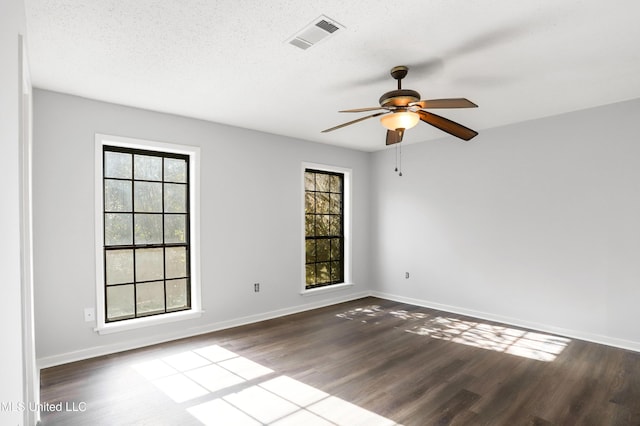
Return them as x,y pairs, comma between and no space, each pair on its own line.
327,26
317,30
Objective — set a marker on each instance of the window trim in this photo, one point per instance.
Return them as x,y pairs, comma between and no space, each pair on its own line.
193,152
347,207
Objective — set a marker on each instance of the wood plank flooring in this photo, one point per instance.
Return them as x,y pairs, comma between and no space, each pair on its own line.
369,361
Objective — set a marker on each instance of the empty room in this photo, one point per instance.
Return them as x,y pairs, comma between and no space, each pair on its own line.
320,213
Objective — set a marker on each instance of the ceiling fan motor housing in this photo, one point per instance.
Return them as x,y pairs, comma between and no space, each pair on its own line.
399,98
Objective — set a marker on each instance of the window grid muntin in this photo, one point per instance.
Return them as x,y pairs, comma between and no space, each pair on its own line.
315,238
134,246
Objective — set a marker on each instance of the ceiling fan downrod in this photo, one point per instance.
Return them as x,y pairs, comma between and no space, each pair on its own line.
399,72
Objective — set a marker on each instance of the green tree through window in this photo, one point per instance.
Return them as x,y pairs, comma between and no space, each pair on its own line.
324,228
146,229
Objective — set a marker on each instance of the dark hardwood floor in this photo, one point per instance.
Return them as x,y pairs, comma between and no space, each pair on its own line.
369,362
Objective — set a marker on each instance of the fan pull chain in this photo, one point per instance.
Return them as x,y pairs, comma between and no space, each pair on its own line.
400,160
396,169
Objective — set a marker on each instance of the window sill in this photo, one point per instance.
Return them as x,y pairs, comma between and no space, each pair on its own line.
326,289
133,324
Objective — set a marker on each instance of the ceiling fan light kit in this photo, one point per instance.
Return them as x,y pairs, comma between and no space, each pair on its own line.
403,109
400,120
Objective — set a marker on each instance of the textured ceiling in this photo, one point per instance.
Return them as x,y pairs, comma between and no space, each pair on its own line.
228,61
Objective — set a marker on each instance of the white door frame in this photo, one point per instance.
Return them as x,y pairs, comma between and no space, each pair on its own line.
31,373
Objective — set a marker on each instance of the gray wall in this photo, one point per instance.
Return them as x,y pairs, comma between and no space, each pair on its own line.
536,224
250,222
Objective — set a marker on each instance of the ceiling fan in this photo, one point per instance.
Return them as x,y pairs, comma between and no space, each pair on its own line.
403,109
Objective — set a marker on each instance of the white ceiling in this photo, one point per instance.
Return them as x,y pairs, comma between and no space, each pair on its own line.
228,61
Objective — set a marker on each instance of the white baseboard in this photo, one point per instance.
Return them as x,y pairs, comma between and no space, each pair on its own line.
545,328
95,351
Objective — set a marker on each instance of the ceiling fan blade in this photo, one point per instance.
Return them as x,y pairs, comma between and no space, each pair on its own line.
353,121
446,125
362,109
394,136
446,103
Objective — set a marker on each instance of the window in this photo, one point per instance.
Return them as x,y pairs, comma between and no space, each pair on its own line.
146,235
324,195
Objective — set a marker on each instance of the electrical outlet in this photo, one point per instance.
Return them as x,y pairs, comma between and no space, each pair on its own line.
406,275
89,314
256,287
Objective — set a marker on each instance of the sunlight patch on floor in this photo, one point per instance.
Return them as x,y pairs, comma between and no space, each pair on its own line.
281,401
180,388
213,377
221,412
342,412
541,347
528,344
193,374
245,368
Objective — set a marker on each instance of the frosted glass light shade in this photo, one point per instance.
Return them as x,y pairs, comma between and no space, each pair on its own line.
400,120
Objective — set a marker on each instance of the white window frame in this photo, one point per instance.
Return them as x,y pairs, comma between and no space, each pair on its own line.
193,152
346,209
